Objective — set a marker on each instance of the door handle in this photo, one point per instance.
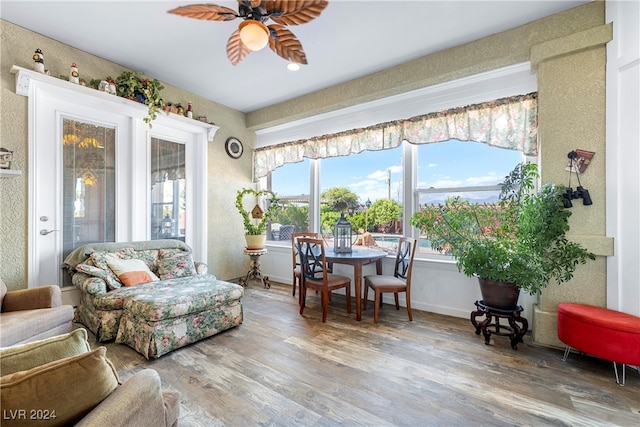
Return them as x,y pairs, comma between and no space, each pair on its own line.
44,232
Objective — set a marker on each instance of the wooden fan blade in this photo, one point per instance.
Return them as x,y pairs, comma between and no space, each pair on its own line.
286,45
294,12
236,50
208,12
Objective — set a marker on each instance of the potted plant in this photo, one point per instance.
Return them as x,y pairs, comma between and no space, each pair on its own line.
255,222
518,242
132,85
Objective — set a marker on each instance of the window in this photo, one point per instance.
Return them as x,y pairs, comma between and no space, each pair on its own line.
291,183
483,107
368,188
470,170
168,190
88,199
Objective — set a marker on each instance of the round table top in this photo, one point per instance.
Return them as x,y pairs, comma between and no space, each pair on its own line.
356,254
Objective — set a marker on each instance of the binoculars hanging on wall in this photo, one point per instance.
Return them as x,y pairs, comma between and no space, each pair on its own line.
579,193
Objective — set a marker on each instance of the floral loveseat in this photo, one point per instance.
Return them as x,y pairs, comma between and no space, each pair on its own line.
150,295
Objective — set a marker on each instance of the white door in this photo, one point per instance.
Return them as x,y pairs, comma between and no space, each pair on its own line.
79,160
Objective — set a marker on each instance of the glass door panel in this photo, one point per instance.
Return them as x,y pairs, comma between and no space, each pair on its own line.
88,207
168,190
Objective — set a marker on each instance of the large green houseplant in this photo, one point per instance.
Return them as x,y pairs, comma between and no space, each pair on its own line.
520,239
255,222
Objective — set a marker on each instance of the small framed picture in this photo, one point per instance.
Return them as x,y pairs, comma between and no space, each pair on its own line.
6,157
579,160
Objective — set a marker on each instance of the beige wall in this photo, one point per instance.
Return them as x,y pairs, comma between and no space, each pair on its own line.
225,174
568,51
571,89
499,50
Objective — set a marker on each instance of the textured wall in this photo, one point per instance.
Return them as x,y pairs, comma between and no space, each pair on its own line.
225,174
499,50
571,89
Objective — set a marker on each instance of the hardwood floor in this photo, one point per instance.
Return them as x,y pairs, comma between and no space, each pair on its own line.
280,368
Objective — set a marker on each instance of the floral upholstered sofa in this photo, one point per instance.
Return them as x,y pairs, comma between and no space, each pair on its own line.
150,295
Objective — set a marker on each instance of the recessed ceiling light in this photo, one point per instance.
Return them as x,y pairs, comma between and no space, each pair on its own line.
292,66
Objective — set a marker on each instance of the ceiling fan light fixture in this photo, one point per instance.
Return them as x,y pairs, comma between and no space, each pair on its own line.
292,66
254,34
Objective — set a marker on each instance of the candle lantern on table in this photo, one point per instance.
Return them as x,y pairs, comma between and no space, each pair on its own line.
342,236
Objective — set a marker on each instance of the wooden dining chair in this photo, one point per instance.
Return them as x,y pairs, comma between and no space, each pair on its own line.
399,282
316,276
297,273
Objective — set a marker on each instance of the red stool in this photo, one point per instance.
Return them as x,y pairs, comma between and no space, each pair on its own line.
607,334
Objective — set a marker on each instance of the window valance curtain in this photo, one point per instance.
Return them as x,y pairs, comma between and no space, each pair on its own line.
510,123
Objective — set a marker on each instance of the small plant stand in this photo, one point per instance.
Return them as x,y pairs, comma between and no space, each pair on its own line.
518,325
254,272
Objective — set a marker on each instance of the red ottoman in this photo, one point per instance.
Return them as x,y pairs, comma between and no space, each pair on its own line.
607,334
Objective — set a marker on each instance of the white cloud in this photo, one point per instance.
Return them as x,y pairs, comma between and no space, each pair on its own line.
384,174
378,175
489,179
445,183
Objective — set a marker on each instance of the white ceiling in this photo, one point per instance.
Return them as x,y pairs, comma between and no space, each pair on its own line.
350,39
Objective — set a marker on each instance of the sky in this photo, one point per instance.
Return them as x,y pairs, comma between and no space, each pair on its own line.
445,164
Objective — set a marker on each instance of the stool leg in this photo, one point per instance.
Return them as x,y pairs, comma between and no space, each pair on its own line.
615,368
566,353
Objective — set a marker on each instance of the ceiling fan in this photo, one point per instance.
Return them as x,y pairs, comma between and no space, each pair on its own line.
252,34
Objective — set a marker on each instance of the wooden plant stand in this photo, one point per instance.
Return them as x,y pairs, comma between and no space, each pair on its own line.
518,325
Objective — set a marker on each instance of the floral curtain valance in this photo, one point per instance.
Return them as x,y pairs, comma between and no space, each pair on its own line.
507,122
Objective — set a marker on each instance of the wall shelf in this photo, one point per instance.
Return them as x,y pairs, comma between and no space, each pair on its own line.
9,173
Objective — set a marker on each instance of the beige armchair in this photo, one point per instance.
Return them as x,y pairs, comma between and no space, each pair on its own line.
67,383
32,314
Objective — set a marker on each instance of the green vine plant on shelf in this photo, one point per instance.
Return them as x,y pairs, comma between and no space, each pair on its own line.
133,85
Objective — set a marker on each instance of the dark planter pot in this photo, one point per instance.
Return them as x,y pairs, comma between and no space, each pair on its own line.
500,295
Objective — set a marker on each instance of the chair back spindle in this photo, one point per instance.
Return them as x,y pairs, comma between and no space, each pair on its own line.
311,252
297,275
404,258
400,282
315,275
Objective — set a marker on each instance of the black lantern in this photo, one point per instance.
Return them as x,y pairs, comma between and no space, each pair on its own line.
342,235
368,205
167,226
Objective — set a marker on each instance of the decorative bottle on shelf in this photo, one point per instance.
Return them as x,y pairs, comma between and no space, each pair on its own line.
113,87
74,76
189,110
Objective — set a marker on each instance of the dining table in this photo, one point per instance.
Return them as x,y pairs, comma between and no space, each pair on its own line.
357,258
